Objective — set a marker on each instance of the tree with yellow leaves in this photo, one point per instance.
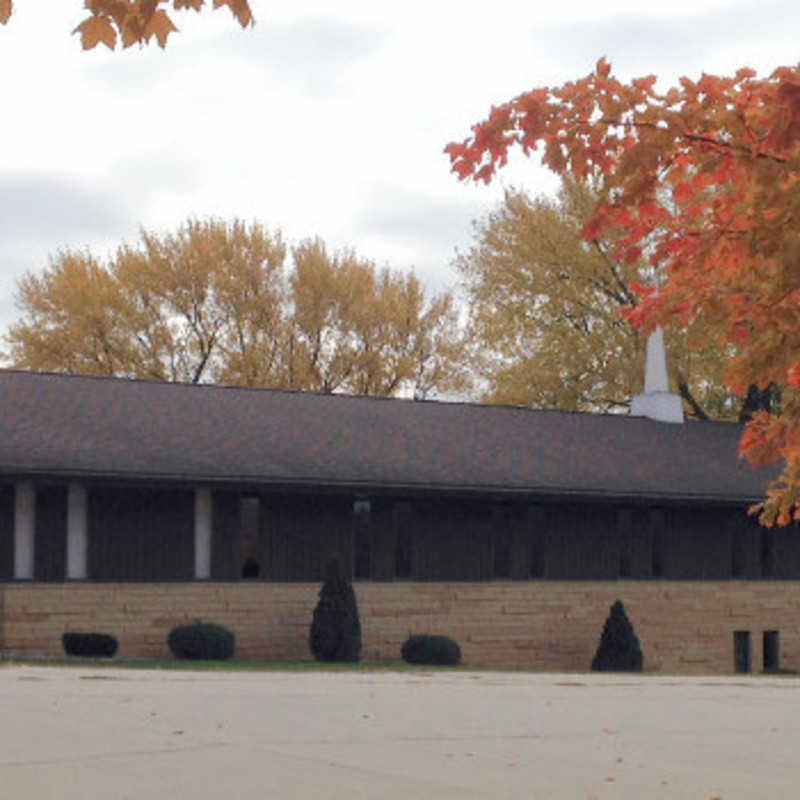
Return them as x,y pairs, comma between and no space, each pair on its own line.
135,21
214,301
371,331
545,313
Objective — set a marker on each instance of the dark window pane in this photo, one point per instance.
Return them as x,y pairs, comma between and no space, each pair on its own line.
771,651
249,509
362,539
741,651
624,528
657,548
537,555
737,555
767,554
537,530
403,541
502,545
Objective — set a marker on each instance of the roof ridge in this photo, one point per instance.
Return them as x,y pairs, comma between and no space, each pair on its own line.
336,395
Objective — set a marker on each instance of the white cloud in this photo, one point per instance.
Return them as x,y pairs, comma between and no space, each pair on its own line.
321,120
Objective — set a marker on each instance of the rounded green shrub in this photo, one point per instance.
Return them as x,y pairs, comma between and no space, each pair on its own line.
431,649
89,645
335,633
619,649
202,641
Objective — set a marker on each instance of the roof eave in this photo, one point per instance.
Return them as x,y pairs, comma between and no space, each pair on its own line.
382,486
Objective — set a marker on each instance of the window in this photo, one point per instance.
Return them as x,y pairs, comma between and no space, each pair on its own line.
537,555
249,510
657,525
537,525
501,540
737,554
403,541
767,554
362,539
624,535
771,650
741,651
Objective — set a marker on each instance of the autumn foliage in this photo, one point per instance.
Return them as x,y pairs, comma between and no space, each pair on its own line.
136,21
545,321
702,181
232,303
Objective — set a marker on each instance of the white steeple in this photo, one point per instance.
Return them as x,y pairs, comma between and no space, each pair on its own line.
657,402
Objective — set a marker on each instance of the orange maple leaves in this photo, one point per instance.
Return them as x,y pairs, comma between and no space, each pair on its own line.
136,21
703,180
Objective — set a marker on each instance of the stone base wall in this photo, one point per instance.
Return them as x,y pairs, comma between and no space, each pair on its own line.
684,627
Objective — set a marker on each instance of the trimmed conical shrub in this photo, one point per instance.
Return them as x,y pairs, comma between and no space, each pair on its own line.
335,633
619,649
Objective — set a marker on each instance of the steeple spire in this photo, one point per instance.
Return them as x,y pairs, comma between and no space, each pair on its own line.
657,402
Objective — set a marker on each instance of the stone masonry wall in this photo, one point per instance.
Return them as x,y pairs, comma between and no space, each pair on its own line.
684,627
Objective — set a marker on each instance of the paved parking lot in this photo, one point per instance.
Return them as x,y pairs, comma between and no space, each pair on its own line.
80,733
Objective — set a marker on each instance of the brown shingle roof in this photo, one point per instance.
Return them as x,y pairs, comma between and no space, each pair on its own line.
72,425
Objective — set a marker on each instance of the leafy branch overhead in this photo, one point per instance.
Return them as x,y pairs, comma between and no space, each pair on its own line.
545,318
136,21
701,181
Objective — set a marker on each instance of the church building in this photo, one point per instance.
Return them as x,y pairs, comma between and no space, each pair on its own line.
128,507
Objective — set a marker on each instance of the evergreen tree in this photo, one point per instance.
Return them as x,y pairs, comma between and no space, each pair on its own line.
335,633
619,649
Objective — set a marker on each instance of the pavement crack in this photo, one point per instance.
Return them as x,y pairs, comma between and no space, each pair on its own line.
88,757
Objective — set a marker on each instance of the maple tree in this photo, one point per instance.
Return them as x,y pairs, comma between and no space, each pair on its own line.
545,313
217,301
132,22
702,181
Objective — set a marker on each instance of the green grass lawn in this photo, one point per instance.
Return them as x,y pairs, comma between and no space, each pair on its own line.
232,665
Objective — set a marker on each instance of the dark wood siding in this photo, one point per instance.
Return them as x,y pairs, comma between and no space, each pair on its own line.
455,542
148,534
384,539
635,542
6,533
744,537
471,540
787,551
50,545
141,534
537,541
696,545
226,536
582,543
302,533
558,535
403,541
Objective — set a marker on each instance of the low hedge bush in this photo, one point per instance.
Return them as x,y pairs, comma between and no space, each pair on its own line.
89,645
430,649
202,640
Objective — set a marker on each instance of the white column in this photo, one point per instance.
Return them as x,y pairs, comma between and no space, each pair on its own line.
77,532
202,533
24,530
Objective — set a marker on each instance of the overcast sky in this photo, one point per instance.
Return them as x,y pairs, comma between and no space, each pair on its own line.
324,119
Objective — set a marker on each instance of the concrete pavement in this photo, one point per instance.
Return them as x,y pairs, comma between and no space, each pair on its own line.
74,733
